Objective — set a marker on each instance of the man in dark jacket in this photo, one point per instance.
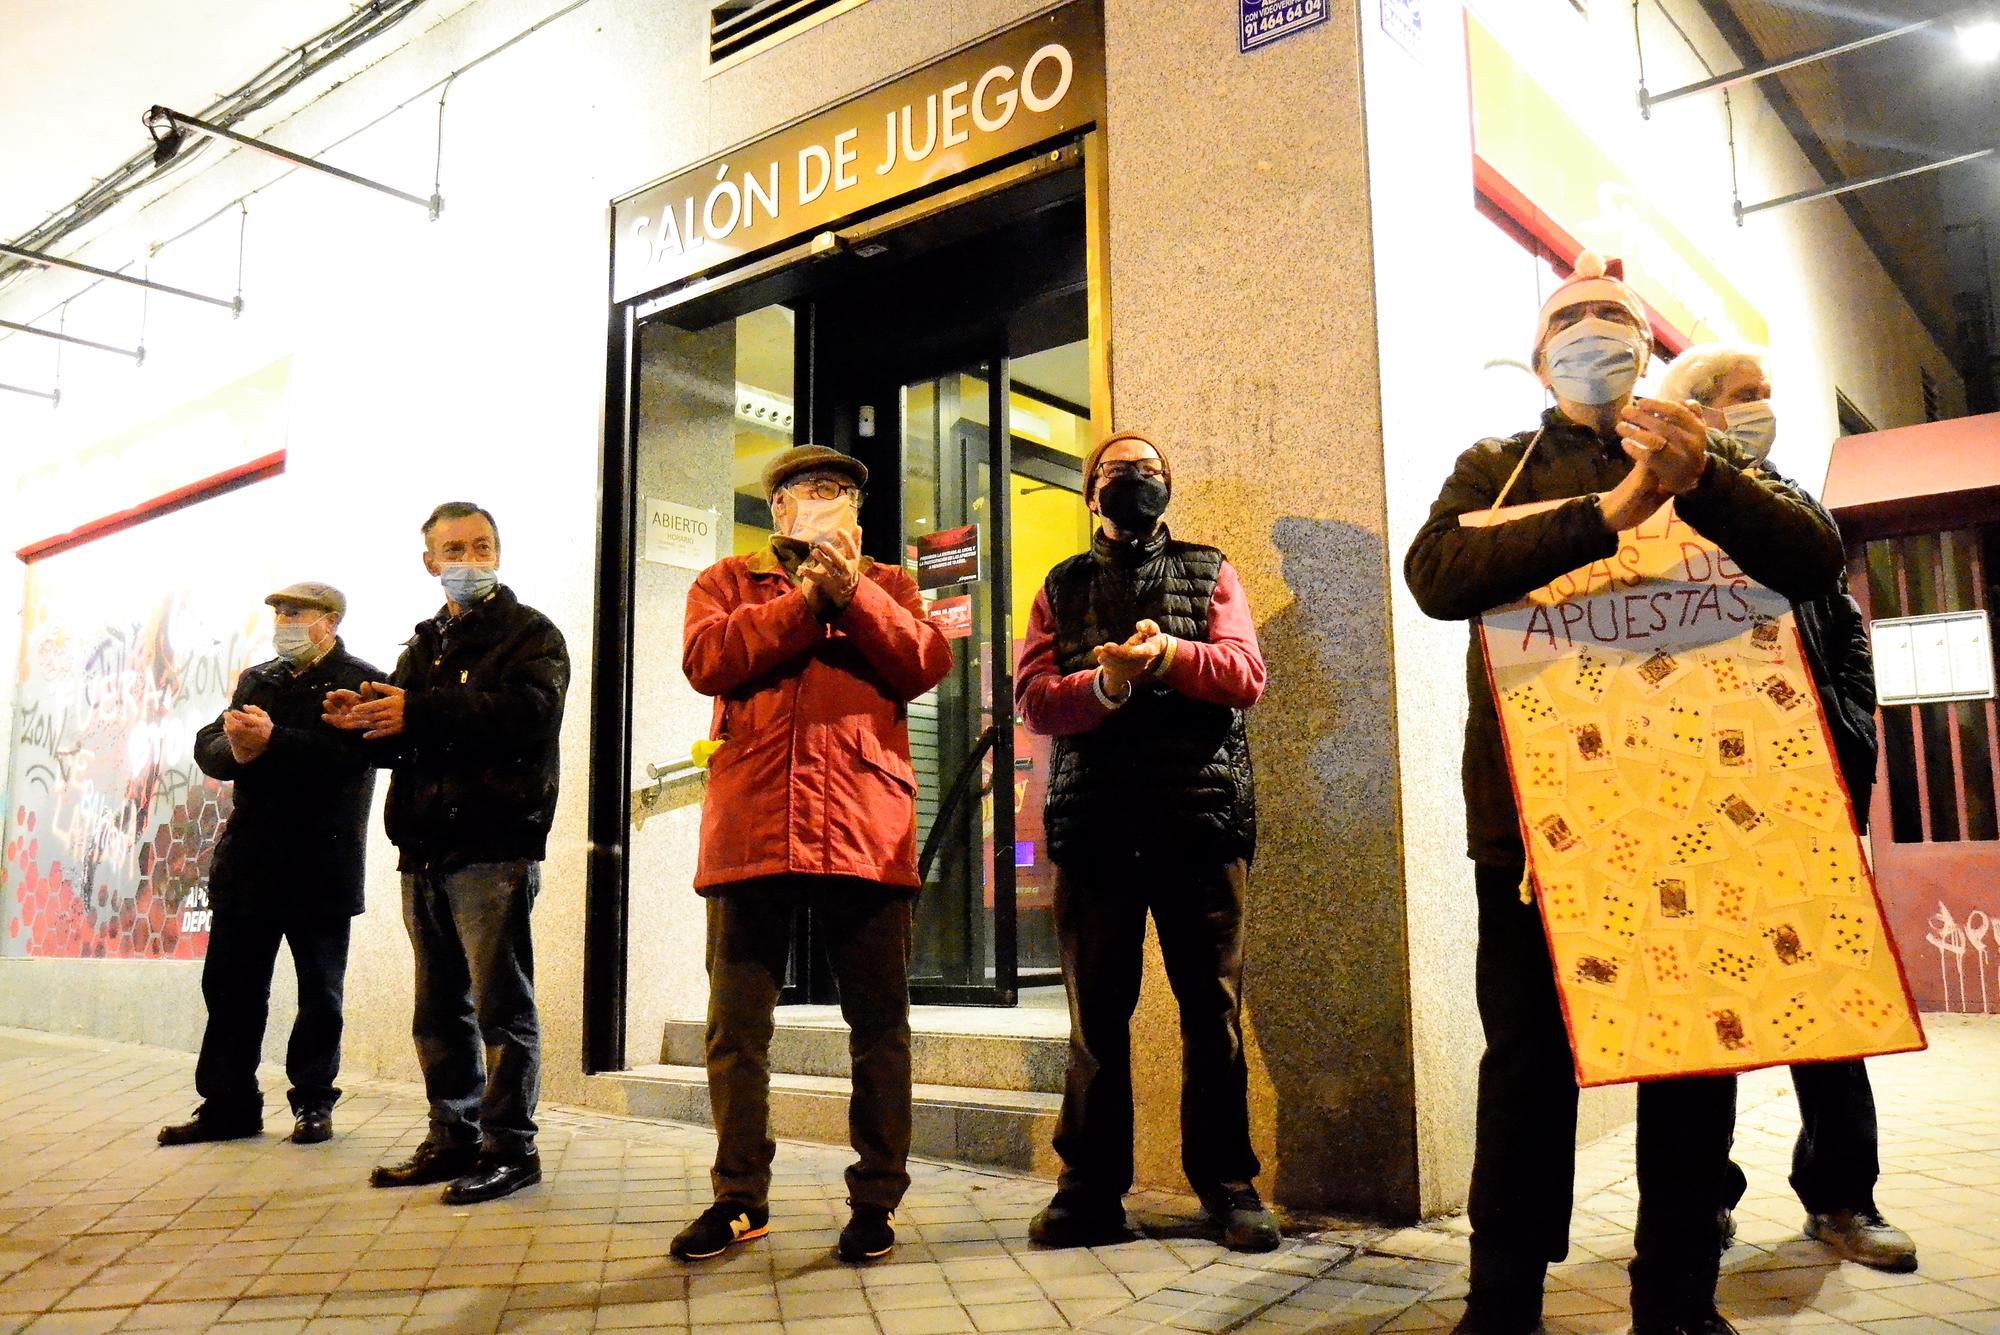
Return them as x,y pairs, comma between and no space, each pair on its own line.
1601,462
1835,1161
470,725
1140,660
287,868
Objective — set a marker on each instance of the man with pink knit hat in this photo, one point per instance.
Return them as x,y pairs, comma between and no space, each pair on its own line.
1600,461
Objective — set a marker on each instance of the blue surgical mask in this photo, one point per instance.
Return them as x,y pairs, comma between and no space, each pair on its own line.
1754,426
466,585
293,642
1593,362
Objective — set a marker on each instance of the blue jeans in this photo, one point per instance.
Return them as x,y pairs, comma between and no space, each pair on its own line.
478,1038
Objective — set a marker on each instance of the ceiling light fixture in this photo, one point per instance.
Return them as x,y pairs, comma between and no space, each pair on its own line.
170,130
1979,40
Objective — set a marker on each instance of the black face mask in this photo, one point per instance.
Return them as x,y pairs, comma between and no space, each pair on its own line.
1134,503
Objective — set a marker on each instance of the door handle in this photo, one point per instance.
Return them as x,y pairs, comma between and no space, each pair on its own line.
954,798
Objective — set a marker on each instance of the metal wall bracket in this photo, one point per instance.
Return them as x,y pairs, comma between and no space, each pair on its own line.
1649,100
170,129
231,304
1858,183
138,354
54,396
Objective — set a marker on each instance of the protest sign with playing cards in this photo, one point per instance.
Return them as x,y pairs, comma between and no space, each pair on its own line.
1702,880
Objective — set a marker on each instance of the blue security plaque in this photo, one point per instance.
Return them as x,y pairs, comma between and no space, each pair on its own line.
1265,21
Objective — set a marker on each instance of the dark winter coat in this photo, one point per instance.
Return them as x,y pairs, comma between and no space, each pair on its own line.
297,832
1773,532
476,765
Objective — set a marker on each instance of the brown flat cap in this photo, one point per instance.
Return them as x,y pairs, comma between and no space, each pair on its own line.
809,459
311,593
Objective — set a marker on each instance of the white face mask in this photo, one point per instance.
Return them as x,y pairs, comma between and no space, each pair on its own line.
1594,361
1753,425
293,641
815,521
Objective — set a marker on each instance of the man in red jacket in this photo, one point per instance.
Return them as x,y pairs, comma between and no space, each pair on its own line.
812,652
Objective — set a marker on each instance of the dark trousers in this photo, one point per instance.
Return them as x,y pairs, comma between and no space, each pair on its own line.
1834,1164
236,985
866,930
1524,1157
1101,927
478,1037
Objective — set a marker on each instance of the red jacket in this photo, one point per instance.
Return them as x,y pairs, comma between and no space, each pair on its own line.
814,772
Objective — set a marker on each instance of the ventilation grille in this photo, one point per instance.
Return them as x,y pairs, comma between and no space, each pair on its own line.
736,26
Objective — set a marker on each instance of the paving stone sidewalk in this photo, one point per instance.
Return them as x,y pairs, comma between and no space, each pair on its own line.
102,1230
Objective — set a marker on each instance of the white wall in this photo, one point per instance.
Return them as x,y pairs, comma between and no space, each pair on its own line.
1835,319
456,359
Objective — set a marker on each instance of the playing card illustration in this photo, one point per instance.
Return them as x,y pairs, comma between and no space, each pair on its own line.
1864,1007
1794,748
1766,641
1542,767
1793,1023
1784,696
1634,739
1605,1040
1687,728
1621,854
1599,971
1658,670
1556,836
1727,678
1666,965
1781,876
1674,901
1732,1034
1785,937
1589,675
1730,750
1599,799
1566,907
1694,845
1529,708
1814,803
1676,784
1589,745
1835,863
1726,904
1743,818
1736,966
1617,916
1850,935
1663,1034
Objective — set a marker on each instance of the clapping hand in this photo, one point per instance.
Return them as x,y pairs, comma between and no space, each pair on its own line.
1668,440
248,731
830,576
375,711
1121,664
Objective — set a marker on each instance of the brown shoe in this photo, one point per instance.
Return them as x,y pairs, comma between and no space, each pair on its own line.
431,1162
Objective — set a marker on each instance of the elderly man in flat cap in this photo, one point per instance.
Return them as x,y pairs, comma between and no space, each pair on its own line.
287,868
812,653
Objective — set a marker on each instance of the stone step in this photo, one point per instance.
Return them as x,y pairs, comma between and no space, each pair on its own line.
996,1128
1020,1063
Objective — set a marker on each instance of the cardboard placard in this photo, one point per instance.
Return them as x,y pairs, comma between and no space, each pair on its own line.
1701,878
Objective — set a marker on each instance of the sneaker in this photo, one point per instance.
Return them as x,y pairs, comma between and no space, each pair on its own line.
869,1235
1865,1236
205,1127
1246,1225
1072,1220
720,1227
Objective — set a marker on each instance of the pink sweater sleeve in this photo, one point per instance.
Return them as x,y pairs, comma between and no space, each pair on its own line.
1228,669
1049,702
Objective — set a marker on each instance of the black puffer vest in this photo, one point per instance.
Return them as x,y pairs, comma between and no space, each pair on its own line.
1164,773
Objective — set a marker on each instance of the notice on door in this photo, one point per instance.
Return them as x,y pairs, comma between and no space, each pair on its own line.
948,558
953,617
679,535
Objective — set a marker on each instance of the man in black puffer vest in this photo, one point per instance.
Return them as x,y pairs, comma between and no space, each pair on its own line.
1140,659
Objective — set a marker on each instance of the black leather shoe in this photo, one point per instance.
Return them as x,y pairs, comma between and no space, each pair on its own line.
430,1162
870,1235
1710,1322
1502,1312
314,1126
1072,1220
203,1127
493,1177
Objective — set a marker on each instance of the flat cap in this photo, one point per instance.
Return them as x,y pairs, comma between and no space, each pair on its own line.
808,459
311,593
